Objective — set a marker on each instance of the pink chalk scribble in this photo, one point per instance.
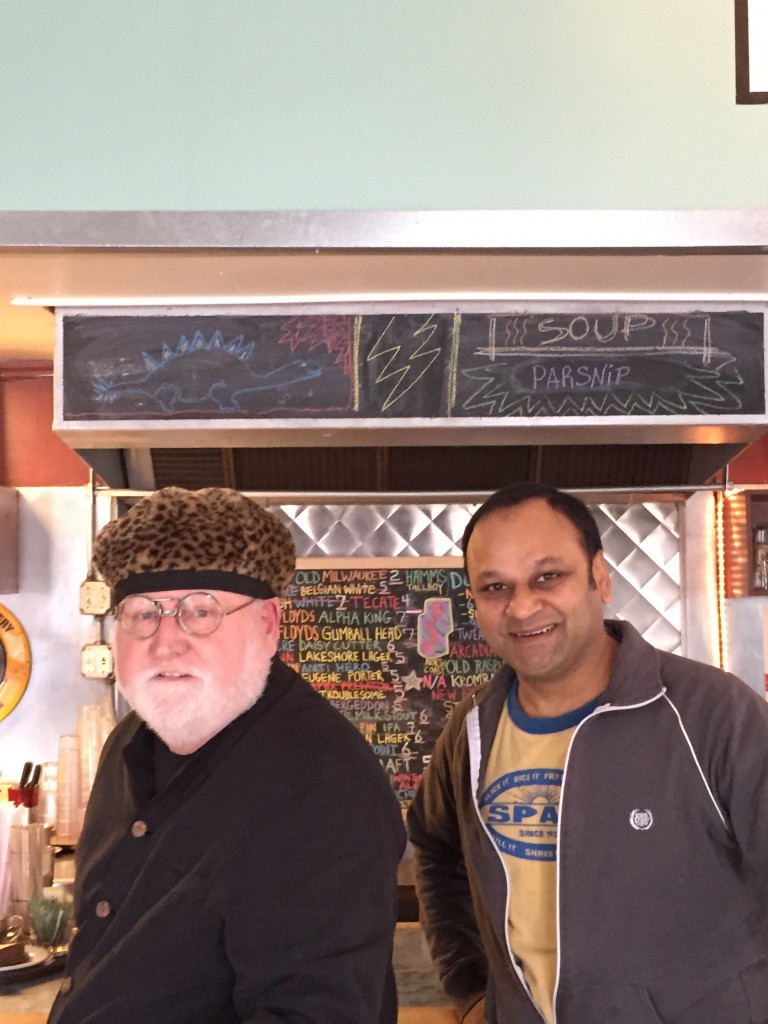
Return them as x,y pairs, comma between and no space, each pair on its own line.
333,334
435,625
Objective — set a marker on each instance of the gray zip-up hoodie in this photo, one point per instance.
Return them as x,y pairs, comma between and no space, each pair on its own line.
662,914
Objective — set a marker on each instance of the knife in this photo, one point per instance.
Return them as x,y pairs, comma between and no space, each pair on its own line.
32,787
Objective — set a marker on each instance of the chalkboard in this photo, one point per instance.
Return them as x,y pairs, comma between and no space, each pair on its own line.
393,649
433,364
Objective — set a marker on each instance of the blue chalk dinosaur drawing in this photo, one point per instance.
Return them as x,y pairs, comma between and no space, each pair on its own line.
203,372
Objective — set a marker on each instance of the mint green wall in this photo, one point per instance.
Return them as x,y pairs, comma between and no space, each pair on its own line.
300,104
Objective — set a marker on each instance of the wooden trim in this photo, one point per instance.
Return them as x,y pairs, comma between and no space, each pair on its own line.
743,92
25,369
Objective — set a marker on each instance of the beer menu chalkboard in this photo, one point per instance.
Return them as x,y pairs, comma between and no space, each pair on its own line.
393,648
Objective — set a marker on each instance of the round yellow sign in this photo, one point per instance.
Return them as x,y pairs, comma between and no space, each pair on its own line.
15,662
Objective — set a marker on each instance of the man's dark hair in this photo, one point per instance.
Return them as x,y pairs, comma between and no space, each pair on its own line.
515,494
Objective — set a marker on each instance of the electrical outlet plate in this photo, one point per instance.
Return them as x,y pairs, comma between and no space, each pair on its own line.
96,661
95,597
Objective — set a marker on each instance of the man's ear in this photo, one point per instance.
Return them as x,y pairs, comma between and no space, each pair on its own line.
271,610
602,577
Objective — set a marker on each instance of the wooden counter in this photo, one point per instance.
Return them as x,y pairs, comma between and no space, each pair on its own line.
426,1015
407,1015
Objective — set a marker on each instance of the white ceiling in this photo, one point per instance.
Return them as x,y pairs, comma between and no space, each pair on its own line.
76,276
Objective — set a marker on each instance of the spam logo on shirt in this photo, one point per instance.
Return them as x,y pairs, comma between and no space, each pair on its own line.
520,811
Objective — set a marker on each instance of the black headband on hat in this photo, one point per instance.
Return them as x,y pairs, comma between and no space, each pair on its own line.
192,579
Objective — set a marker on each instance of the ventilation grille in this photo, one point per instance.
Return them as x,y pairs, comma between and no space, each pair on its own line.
449,470
641,544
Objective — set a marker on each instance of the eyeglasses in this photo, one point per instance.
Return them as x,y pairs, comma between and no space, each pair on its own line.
198,614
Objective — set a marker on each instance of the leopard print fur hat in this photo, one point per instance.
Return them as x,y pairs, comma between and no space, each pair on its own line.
214,538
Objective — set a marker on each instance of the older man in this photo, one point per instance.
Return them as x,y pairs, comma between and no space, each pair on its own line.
592,832
239,855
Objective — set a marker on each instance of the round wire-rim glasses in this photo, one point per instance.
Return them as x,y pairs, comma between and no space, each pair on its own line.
198,613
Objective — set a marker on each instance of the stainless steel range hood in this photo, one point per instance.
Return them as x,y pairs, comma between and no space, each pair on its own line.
403,398
530,263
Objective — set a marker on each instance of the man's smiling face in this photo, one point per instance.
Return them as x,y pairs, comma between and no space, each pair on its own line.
188,688
539,602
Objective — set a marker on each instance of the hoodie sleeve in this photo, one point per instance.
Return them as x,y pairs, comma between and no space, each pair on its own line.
442,884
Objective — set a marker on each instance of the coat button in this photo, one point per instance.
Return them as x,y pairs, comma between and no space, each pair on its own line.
66,986
103,908
139,828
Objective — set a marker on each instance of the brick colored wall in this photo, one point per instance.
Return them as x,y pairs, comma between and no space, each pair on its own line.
31,455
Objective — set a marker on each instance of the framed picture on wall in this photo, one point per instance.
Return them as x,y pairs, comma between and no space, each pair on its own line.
751,51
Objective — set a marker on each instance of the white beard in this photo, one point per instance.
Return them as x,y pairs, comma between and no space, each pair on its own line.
187,713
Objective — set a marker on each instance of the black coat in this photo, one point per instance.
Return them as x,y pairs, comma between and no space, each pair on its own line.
258,886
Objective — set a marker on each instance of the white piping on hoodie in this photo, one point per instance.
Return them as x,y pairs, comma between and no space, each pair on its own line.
696,761
598,711
475,752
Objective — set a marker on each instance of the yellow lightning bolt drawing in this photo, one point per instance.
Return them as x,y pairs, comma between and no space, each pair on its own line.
408,374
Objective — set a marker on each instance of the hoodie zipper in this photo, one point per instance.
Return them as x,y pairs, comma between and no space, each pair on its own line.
475,754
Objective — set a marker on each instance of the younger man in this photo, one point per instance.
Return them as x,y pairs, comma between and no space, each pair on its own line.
592,831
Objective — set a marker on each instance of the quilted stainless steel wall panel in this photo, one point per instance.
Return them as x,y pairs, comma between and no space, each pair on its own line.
641,541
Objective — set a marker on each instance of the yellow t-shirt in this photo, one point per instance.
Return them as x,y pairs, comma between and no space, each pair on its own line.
520,808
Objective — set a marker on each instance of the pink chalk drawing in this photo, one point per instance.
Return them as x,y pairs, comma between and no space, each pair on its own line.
435,625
